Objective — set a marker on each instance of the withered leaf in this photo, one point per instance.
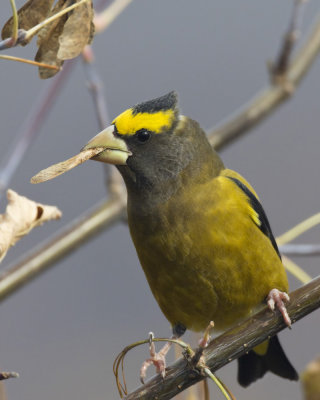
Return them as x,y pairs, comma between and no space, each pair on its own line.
21,216
64,166
77,31
48,41
45,31
30,14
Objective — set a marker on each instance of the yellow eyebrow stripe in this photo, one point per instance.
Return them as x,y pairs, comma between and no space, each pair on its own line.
129,123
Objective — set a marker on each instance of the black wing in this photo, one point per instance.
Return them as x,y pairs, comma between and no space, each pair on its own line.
264,223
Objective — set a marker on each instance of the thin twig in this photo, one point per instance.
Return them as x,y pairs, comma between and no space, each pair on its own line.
71,236
300,249
280,66
95,87
15,21
31,128
205,389
114,180
264,103
217,382
295,270
12,42
231,345
299,229
26,61
104,18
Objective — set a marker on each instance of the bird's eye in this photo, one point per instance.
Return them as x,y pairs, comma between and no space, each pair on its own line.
143,135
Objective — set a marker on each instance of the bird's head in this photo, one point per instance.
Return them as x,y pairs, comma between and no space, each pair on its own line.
151,142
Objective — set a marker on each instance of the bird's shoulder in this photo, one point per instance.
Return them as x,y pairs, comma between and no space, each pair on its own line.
241,196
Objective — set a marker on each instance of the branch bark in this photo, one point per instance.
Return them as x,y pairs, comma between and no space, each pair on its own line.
230,345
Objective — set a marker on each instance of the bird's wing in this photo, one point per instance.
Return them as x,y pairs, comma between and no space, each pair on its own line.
262,221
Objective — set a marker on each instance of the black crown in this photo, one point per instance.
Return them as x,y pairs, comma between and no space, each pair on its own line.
167,102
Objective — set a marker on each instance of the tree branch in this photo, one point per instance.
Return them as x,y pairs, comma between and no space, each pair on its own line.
280,66
230,345
72,236
31,127
300,249
267,101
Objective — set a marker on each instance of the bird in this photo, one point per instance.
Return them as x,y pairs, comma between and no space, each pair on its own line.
201,235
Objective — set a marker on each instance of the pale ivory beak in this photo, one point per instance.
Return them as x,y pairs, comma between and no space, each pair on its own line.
116,151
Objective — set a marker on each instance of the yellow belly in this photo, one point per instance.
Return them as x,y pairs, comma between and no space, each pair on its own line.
205,259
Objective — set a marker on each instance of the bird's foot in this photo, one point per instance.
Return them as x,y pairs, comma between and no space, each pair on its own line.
277,299
203,343
157,359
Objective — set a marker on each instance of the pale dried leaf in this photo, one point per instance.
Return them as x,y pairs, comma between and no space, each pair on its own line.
20,217
30,14
64,166
77,32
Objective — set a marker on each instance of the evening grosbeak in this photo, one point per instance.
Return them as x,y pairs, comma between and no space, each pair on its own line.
200,232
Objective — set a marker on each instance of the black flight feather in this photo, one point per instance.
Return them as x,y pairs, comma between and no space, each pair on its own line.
253,366
256,205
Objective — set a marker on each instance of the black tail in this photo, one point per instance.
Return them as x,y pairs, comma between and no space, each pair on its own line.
252,366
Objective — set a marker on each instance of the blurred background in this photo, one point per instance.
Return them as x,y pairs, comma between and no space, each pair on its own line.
63,330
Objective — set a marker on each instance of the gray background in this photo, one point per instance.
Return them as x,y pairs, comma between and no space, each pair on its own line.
63,330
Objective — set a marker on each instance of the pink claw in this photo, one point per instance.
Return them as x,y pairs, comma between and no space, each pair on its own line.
157,359
276,298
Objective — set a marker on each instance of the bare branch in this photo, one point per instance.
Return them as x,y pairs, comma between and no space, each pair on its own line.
230,345
26,61
15,23
299,229
54,249
114,180
95,87
30,128
267,101
104,18
280,67
300,249
295,270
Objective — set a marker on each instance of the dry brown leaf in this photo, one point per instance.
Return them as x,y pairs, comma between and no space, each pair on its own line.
20,217
45,31
30,14
77,32
48,41
64,166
